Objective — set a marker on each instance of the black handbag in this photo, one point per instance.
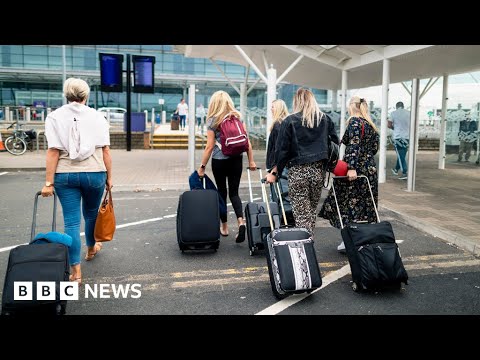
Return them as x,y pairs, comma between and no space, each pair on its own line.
333,153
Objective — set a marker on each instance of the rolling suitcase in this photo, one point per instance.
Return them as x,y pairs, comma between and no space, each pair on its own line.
291,259
258,225
37,261
372,251
198,224
175,122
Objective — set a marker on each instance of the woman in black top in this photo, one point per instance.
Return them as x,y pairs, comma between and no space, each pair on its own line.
302,146
279,112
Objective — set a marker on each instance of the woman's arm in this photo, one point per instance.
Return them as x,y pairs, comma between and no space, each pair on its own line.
352,151
51,167
107,160
207,152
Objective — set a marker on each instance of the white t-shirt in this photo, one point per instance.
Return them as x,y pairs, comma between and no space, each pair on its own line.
77,131
401,124
182,109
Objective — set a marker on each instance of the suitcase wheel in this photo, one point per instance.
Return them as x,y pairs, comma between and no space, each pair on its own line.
309,291
355,287
61,309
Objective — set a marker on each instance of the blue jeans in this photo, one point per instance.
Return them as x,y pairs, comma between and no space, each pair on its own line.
71,188
401,149
183,119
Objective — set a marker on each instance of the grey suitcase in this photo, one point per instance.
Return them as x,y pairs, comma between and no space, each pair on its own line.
258,225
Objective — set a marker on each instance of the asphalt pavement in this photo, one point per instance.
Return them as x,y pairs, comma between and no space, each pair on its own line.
443,278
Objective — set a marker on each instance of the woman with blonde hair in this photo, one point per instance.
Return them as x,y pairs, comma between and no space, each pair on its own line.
302,146
361,140
225,167
79,167
279,112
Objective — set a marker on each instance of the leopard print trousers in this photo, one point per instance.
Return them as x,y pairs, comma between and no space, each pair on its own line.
305,189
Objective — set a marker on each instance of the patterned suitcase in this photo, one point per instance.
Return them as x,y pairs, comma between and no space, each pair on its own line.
291,258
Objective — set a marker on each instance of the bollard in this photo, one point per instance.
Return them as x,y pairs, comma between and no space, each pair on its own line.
164,117
42,116
7,113
27,114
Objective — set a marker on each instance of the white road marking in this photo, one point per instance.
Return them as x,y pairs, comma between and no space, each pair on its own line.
3,173
118,227
293,299
10,247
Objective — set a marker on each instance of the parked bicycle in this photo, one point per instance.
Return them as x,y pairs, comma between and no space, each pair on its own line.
18,143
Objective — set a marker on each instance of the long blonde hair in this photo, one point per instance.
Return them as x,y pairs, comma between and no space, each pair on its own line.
358,107
219,106
304,101
279,112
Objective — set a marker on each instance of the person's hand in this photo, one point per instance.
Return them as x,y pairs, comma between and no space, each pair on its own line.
351,175
109,184
47,191
270,178
201,172
252,166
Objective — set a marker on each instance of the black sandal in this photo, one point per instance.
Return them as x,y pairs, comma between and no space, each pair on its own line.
241,234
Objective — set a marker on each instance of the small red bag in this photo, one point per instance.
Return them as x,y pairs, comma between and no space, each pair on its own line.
341,168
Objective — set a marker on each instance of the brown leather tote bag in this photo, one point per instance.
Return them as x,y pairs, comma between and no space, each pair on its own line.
105,224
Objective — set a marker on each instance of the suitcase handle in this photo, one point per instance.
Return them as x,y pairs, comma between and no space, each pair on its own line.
279,195
264,193
336,202
34,221
250,182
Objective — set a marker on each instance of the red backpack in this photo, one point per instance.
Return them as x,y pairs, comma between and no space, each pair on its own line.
233,138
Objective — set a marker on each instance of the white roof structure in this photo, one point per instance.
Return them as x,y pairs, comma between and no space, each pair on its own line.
351,66
322,65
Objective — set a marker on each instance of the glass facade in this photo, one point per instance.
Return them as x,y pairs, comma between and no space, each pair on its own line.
39,77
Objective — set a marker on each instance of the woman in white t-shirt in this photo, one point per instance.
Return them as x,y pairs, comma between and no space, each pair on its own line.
79,166
182,111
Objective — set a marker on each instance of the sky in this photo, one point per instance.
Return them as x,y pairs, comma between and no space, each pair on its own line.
462,89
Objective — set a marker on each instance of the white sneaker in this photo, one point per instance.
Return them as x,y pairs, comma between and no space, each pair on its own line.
341,248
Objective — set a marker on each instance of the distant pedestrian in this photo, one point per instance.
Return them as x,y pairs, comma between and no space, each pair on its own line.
182,111
467,136
399,122
79,166
200,114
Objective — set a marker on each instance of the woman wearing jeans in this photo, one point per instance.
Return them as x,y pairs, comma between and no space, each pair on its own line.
225,167
79,166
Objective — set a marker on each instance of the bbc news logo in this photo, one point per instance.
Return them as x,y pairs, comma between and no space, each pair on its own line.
46,290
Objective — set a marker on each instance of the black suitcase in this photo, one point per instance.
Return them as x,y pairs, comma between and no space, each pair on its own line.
198,220
258,225
37,261
372,252
291,259
283,185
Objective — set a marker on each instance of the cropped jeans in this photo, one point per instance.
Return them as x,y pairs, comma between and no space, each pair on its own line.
75,188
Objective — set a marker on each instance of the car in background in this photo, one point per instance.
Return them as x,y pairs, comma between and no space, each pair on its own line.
116,113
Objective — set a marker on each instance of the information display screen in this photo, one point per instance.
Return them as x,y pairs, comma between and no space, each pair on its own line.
111,72
143,74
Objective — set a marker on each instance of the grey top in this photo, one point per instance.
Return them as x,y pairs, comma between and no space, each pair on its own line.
217,152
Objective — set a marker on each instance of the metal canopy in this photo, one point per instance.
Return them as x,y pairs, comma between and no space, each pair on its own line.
322,65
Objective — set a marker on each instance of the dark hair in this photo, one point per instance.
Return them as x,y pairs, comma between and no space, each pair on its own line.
399,105
182,99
